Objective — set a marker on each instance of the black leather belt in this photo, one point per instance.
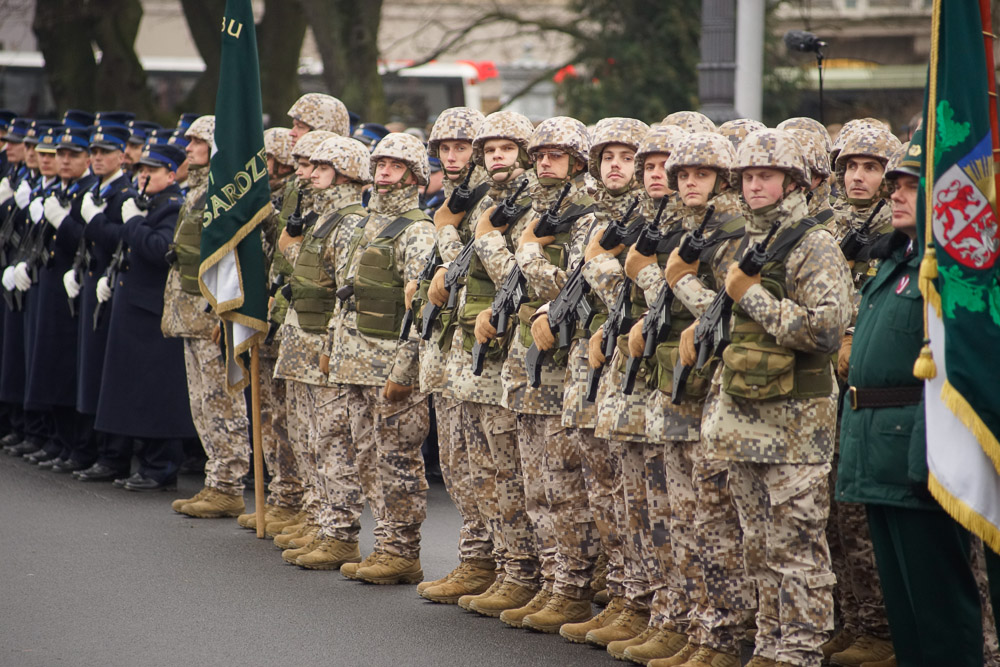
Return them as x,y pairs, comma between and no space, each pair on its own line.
885,397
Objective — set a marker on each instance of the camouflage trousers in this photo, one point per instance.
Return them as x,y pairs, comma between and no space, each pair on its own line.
498,484
387,438
706,548
783,510
534,434
671,605
285,488
474,541
615,576
326,431
220,418
637,547
991,648
858,594
298,437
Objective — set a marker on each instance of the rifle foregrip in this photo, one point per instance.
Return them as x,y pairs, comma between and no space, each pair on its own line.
533,365
407,324
478,357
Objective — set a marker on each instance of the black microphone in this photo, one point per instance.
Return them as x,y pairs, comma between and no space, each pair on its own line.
800,40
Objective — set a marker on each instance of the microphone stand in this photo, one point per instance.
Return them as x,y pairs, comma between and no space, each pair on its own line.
819,67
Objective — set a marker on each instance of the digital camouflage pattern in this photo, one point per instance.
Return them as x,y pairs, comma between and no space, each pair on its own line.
309,142
774,149
562,132
202,128
625,131
407,149
349,157
810,125
285,487
660,139
278,143
701,149
322,112
692,121
737,130
502,125
456,123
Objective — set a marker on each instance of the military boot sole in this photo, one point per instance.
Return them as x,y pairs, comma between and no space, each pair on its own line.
550,628
217,514
331,565
442,599
408,578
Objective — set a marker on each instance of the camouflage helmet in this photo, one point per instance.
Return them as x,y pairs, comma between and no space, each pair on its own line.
202,128
849,128
502,125
904,162
817,157
407,149
875,142
701,149
692,121
563,132
660,139
322,112
347,156
456,123
809,125
309,142
773,149
626,131
278,144
737,130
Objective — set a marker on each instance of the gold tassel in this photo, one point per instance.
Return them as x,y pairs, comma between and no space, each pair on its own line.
924,367
928,270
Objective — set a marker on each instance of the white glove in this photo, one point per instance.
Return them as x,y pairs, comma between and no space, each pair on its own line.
6,192
8,279
103,290
69,283
36,210
88,209
55,212
22,280
23,195
130,210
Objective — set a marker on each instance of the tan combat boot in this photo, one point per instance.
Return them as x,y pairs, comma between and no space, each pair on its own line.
391,569
291,555
424,585
677,659
513,617
577,632
285,540
328,553
864,649
630,623
617,649
558,611
277,516
702,657
350,570
465,602
474,578
602,598
760,661
273,529
508,596
888,662
249,520
181,502
215,505
664,644
840,641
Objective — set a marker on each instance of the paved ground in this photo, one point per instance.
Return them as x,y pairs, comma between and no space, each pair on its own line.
93,576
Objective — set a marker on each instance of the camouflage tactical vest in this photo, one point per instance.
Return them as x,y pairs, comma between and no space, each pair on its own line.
313,289
187,244
756,367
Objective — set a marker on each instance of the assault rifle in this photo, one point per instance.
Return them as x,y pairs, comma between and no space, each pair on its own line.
711,336
508,211
294,226
858,239
657,323
82,257
457,270
426,274
117,263
460,199
295,223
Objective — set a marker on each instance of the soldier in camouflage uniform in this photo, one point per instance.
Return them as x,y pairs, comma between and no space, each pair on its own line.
612,165
737,130
771,409
451,142
341,169
389,417
219,417
690,121
500,148
559,149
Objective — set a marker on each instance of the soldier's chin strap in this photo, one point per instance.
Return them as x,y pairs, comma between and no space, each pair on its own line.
398,185
571,173
522,162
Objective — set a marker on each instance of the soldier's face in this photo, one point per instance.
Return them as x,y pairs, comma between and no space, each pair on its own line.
862,177
15,152
298,129
654,175
133,152
323,176
47,165
695,184
198,152
904,205
30,156
389,172
304,170
551,163
498,154
763,187
454,155
104,162
159,178
72,164
617,166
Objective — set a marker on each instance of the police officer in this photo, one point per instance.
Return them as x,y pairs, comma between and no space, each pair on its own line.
143,388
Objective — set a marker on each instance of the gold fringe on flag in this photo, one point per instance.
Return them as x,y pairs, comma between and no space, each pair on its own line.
965,515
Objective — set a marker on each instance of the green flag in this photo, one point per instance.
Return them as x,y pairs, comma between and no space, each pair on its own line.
957,225
232,274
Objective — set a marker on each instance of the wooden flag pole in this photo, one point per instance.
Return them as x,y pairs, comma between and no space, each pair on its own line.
258,451
986,19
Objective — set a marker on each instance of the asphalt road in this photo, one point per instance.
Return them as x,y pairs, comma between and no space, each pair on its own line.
95,576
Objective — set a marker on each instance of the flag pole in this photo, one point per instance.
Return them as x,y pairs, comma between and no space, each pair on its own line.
986,19
258,452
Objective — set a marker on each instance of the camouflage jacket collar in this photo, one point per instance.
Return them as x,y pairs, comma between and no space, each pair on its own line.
613,205
394,202
336,197
820,200
499,191
789,210
197,177
543,197
478,178
726,203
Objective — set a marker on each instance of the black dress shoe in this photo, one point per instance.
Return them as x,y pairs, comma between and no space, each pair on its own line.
10,440
148,484
122,481
22,448
47,461
39,456
100,473
69,466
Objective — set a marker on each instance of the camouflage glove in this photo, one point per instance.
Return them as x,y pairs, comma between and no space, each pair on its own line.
408,293
542,333
689,356
437,292
677,268
737,282
443,217
844,357
595,352
528,235
484,330
484,226
635,262
594,247
636,341
396,392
